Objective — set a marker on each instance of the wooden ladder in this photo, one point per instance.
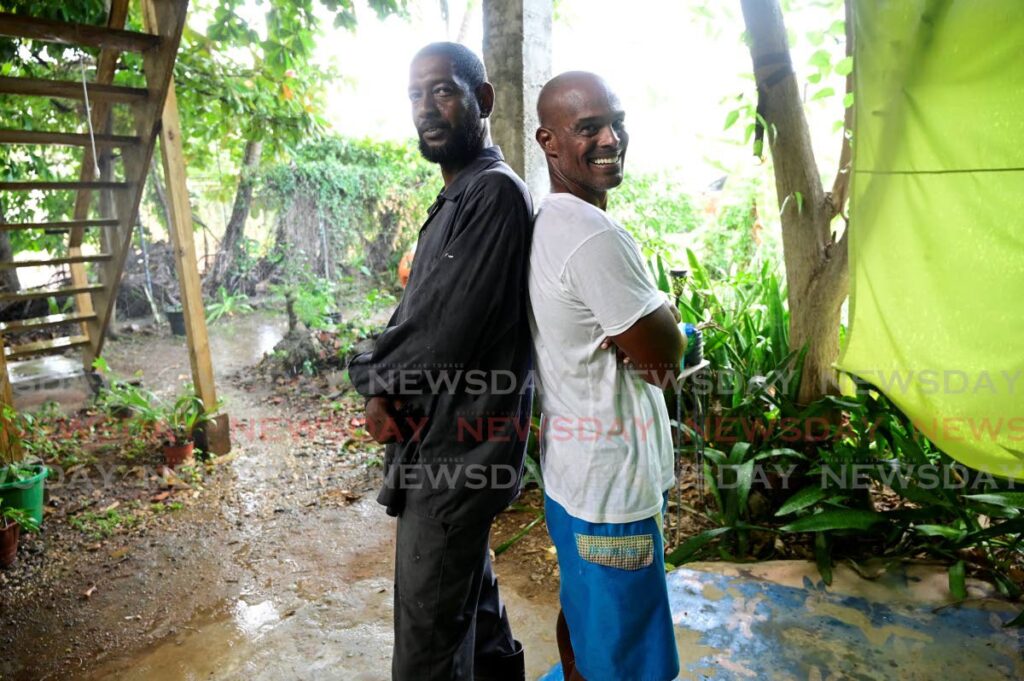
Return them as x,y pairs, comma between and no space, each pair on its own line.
116,211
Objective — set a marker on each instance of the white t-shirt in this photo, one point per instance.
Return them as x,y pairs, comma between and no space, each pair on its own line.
606,448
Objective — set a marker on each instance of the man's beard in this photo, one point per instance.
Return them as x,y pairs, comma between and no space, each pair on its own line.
463,144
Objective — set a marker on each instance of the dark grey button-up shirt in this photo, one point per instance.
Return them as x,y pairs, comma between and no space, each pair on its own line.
457,352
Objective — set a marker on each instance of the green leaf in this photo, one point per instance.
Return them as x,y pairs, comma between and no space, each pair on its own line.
744,479
1015,526
691,546
533,472
846,519
1017,621
1005,499
945,531
844,66
1015,452
806,497
715,456
519,535
958,580
748,132
822,59
847,100
738,452
731,118
823,93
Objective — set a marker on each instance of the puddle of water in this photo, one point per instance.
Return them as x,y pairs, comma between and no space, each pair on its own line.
243,341
341,635
253,620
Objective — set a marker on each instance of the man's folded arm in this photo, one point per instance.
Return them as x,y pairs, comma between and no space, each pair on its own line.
654,346
608,275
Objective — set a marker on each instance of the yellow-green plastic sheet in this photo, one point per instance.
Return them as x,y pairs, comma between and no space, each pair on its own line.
937,221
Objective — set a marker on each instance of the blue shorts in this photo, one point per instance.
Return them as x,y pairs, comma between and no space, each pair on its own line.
615,597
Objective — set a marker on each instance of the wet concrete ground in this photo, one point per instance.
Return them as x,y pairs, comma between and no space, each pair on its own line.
286,574
777,621
279,582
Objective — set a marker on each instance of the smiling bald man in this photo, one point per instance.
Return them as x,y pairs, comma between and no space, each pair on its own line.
604,339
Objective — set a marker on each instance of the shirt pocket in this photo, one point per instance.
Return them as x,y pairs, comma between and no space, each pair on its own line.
631,552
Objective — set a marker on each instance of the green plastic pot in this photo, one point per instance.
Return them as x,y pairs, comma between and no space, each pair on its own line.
26,494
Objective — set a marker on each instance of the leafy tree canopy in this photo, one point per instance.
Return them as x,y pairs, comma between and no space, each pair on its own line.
243,72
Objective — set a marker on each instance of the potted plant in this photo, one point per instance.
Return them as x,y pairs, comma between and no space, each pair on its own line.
124,400
21,482
181,420
21,486
12,520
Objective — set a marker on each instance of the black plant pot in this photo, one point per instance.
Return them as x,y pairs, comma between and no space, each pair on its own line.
176,318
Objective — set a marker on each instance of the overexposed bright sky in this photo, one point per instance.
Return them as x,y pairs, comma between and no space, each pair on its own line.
674,72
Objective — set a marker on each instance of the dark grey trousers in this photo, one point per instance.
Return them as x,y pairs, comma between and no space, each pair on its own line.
450,623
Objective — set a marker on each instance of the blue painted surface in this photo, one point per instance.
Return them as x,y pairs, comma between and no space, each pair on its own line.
735,627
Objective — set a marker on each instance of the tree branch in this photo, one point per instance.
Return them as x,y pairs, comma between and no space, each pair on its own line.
841,185
805,229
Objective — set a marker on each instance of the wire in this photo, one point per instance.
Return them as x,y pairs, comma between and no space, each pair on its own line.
88,119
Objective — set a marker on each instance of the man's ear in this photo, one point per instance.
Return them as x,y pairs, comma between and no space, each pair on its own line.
485,98
546,140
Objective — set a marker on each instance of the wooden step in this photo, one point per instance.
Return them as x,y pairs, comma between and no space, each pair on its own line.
70,139
37,323
60,226
44,347
7,296
86,35
70,89
75,185
54,262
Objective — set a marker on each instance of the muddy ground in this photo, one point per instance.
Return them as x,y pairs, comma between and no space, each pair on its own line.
273,563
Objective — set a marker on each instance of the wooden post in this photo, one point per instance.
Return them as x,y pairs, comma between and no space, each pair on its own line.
183,240
10,439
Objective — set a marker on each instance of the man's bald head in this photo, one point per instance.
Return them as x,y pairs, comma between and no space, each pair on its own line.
567,92
582,132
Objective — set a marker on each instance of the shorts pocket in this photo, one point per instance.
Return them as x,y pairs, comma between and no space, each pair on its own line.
633,552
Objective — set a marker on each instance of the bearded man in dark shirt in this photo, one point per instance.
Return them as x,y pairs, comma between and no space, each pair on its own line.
447,385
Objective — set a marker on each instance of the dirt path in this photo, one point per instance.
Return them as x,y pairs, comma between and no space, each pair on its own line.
279,569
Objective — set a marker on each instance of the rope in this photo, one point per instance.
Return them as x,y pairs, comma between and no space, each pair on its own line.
88,119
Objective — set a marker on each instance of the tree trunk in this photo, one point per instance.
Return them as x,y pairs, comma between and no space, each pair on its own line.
230,245
816,263
9,281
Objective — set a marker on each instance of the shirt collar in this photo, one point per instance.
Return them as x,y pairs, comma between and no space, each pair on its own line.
487,157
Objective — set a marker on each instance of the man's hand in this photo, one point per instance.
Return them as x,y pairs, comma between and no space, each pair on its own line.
621,356
653,345
380,420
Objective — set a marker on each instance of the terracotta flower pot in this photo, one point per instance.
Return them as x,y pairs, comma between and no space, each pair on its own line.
174,455
9,543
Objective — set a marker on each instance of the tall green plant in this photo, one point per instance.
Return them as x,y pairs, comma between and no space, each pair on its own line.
744,319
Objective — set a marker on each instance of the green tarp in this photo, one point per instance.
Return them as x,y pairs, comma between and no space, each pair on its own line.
937,215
